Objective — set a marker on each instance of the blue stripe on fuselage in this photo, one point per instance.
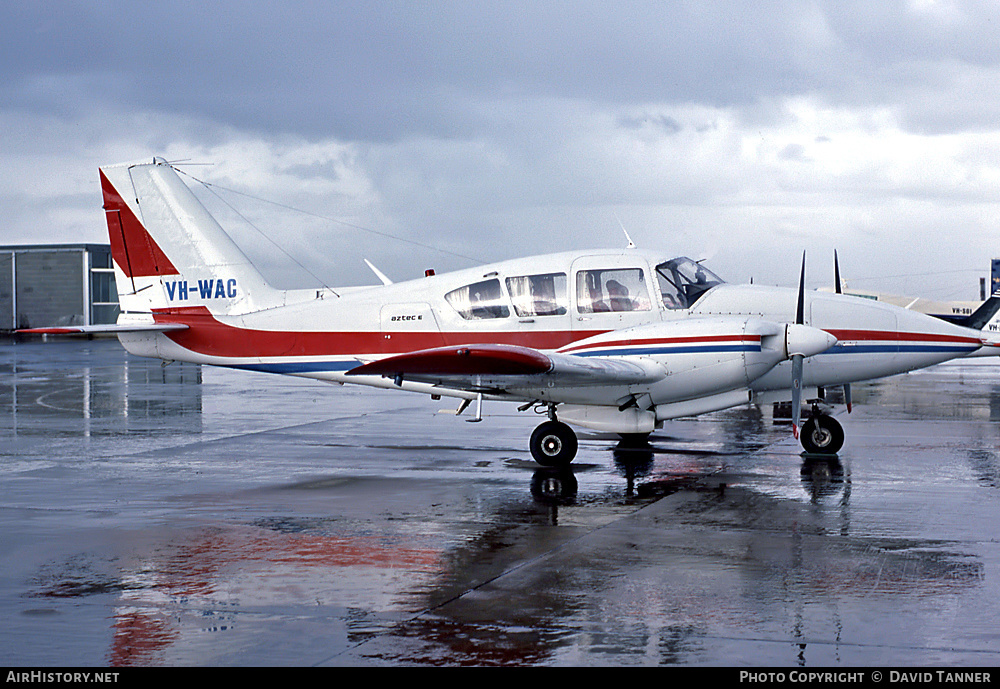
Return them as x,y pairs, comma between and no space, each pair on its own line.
647,351
298,366
897,349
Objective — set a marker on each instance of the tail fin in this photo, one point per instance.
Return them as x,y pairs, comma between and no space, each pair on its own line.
986,317
169,252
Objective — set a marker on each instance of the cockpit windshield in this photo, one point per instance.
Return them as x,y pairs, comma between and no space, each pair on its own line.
682,282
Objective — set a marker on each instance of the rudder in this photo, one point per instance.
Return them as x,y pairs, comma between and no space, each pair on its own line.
169,252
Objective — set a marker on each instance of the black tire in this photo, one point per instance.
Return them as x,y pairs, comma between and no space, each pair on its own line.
553,444
822,435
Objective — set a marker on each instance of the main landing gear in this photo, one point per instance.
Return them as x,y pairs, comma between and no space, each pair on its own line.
553,444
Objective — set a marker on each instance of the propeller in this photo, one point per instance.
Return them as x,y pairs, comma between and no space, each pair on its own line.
840,290
797,357
802,340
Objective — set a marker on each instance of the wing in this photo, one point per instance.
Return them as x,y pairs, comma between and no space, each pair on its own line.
497,368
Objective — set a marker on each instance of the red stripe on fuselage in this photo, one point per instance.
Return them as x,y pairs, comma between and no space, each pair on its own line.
209,336
667,341
895,336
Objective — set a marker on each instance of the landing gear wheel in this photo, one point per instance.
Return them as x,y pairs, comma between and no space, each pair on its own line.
553,444
822,435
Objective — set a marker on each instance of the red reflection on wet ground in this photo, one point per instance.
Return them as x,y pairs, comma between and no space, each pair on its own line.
202,568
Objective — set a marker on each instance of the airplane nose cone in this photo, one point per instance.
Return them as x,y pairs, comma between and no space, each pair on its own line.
806,341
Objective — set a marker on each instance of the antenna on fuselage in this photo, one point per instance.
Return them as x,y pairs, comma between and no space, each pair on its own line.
631,244
838,285
378,273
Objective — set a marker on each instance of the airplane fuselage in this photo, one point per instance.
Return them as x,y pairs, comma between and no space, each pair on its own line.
616,340
321,334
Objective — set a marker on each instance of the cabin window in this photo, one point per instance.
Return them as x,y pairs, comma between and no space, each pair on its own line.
621,289
538,295
683,281
479,301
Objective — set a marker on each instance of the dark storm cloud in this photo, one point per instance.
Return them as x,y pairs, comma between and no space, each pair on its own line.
371,70
381,70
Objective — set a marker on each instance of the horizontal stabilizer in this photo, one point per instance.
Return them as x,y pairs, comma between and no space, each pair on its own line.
111,328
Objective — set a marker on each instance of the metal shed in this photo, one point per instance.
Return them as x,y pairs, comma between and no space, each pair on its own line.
56,284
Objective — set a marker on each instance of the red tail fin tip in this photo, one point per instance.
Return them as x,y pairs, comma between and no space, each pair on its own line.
135,252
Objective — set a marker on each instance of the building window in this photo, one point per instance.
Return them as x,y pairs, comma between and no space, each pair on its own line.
102,287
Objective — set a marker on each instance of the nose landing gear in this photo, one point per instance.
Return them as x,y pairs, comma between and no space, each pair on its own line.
822,435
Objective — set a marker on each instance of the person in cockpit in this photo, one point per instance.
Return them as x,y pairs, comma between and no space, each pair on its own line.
618,297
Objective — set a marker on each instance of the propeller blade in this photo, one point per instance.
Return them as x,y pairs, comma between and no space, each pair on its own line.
800,307
796,393
847,397
800,311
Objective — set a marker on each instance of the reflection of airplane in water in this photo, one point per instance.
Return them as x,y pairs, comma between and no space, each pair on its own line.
615,341
515,585
823,477
270,559
664,589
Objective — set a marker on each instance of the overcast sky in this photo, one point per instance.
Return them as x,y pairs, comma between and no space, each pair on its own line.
739,133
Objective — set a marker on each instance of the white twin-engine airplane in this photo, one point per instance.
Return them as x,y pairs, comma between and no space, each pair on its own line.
612,340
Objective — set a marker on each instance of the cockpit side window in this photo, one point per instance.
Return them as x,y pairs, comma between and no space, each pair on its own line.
480,300
538,295
682,282
620,289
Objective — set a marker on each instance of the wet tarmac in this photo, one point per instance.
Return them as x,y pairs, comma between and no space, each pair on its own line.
186,516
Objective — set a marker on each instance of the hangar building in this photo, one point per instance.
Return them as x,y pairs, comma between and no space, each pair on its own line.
56,284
